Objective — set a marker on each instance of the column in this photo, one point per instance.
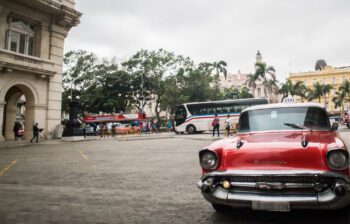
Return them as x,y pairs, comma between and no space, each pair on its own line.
2,106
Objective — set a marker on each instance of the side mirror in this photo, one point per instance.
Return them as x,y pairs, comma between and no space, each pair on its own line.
334,126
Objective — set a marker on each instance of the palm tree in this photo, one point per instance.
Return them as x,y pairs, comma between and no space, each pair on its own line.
261,71
345,88
326,89
316,92
338,100
251,82
271,86
219,67
301,90
286,89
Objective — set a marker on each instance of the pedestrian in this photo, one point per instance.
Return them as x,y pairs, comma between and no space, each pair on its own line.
35,133
170,125
158,125
113,131
228,124
101,130
216,125
16,130
84,129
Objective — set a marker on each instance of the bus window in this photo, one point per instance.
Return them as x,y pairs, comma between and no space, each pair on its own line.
203,110
219,110
180,115
225,109
194,109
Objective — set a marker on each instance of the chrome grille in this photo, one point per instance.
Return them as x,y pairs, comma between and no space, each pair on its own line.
279,184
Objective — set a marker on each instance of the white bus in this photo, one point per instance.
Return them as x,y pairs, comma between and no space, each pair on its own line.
197,117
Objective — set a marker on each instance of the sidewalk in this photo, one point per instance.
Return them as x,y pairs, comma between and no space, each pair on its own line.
134,137
22,143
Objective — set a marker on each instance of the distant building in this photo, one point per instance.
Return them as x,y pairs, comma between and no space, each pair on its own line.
327,75
237,81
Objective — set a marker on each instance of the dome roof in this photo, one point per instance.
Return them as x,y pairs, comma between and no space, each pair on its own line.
320,64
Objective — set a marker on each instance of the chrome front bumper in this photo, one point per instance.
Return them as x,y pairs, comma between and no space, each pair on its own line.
326,199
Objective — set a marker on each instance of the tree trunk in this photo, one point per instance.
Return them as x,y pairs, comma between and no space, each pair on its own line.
319,99
156,109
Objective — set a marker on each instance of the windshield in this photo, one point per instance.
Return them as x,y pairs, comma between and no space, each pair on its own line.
284,119
180,115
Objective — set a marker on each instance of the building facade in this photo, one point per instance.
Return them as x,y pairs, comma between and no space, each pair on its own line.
237,81
328,75
32,35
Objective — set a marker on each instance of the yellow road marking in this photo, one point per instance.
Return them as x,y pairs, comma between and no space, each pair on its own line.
8,167
84,156
87,159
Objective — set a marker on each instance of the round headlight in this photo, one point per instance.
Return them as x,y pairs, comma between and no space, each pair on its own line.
338,159
208,159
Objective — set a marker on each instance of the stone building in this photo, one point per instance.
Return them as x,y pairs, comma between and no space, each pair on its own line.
237,81
32,35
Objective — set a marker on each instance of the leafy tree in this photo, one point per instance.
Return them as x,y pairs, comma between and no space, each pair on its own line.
153,67
79,69
234,93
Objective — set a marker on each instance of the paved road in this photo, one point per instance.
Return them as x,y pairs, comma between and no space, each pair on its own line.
109,181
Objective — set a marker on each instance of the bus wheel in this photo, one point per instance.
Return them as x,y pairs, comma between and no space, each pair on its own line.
191,129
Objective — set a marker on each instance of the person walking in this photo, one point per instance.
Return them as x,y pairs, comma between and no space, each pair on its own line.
16,130
170,125
216,125
35,133
84,129
228,123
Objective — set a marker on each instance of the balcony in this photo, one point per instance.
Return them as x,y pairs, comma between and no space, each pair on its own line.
21,62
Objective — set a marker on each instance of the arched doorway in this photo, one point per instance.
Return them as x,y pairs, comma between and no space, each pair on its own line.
17,97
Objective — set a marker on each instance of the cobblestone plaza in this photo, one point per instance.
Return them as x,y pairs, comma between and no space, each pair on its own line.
109,181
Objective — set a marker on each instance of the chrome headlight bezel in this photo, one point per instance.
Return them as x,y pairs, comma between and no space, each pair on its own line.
338,154
208,159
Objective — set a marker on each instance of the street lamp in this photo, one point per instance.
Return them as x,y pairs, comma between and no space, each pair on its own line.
72,130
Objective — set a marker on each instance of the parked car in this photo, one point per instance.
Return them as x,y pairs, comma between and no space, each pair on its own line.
127,129
285,157
333,119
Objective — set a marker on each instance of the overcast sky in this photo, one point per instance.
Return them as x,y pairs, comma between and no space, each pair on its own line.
291,35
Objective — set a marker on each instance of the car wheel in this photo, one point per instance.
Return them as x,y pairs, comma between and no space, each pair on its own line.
191,129
221,208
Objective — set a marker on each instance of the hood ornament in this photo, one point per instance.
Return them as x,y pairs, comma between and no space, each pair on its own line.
239,143
304,141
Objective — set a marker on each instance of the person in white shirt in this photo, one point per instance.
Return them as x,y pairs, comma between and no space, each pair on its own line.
228,123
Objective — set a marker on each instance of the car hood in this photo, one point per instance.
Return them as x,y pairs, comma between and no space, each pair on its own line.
278,150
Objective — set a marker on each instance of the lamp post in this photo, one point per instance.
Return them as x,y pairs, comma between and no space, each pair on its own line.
72,130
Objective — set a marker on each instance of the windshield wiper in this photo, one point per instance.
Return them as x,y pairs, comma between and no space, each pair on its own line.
295,126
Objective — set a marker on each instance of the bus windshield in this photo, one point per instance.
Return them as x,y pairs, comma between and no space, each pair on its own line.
180,115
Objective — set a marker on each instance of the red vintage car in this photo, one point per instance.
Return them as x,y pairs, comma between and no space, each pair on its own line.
285,157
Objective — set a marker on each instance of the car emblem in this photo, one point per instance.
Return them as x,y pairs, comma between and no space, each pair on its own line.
270,186
269,162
